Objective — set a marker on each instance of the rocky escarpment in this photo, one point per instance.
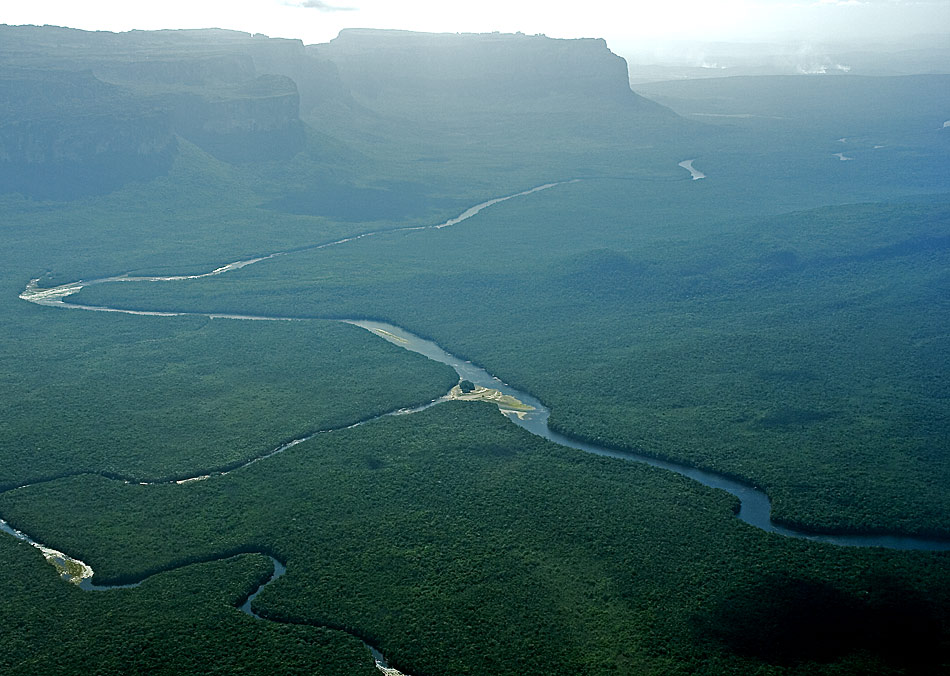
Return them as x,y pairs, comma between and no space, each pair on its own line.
216,58
85,112
466,71
257,120
68,134
112,103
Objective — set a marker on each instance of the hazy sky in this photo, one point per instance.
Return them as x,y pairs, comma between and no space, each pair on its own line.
622,22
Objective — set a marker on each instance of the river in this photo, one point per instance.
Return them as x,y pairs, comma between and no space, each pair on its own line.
755,507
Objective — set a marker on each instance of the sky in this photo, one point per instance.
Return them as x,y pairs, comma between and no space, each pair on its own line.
623,23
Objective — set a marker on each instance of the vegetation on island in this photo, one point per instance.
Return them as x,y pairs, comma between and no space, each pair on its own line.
506,402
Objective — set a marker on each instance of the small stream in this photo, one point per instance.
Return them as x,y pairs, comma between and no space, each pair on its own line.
279,570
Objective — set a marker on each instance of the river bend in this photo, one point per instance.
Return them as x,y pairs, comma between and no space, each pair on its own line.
755,507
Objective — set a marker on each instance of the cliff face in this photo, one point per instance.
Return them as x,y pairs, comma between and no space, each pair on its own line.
258,120
477,70
200,71
88,111
109,100
69,134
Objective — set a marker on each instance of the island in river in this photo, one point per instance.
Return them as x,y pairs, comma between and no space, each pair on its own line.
504,401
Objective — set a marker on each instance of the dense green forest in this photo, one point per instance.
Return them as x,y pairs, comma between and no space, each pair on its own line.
782,321
179,622
461,544
187,395
713,349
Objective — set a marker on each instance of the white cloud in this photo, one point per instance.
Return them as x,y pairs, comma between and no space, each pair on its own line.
321,6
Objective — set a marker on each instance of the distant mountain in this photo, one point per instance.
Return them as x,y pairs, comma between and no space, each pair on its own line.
85,112
467,70
855,104
64,134
917,55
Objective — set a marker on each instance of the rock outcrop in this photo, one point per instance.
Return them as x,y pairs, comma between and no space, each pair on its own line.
66,134
114,102
85,112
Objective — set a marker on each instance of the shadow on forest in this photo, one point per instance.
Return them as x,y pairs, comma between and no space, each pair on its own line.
787,621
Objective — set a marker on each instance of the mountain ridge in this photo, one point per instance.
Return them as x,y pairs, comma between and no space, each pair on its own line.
247,98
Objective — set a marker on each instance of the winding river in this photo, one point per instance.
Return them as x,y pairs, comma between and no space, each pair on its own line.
755,507
278,571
